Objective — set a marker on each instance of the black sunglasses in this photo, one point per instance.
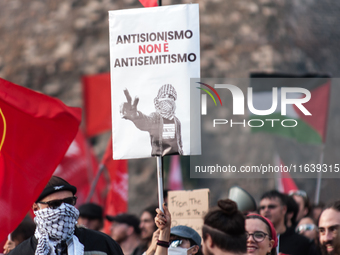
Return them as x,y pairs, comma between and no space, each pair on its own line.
258,236
54,204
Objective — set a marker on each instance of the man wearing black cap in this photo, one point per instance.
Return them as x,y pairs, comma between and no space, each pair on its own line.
126,232
91,216
56,231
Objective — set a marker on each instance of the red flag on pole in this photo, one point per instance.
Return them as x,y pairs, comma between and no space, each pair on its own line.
79,167
148,3
117,198
284,182
97,103
287,183
35,132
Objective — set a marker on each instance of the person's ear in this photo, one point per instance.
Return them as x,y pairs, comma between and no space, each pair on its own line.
270,247
209,242
35,207
284,209
194,249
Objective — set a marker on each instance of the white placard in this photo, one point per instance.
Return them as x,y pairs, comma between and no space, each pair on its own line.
153,52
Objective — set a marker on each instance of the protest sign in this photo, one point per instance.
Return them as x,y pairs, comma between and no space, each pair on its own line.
188,208
153,56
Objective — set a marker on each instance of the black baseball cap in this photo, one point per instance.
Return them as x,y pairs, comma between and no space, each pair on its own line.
91,210
126,218
56,184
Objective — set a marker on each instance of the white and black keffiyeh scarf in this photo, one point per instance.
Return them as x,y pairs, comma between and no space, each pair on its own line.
166,108
55,225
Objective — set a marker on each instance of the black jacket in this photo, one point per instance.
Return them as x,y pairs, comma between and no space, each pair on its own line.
94,243
294,244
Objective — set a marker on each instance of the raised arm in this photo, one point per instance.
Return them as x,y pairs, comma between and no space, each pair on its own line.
128,110
163,222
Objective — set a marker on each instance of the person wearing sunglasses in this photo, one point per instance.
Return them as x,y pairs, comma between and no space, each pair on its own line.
307,228
179,240
261,236
223,231
184,241
56,232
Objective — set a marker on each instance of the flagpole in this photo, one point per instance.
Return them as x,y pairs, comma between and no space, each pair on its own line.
160,182
160,166
90,171
318,180
94,183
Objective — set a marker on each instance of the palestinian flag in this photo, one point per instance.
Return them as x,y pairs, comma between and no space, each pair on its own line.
310,129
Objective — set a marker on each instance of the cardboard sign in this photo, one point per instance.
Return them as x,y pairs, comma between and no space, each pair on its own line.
188,208
153,56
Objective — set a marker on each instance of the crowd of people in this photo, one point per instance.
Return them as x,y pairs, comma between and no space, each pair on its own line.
282,225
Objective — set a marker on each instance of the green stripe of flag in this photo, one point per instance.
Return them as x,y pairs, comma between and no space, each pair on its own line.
303,132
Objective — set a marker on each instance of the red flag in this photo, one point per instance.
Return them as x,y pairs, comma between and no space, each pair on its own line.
97,103
285,182
175,176
116,201
79,167
35,132
148,3
2,244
